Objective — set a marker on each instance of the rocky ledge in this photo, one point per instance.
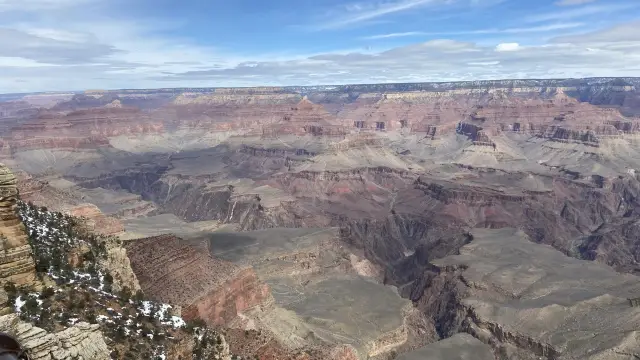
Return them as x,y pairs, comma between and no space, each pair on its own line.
81,341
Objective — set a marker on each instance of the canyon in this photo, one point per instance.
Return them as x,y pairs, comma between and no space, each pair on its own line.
390,221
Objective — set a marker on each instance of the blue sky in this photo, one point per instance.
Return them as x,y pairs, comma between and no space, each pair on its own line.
81,44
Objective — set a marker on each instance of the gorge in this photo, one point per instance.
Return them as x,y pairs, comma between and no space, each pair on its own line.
390,221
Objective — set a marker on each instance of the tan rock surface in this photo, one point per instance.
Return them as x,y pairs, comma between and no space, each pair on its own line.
16,263
97,221
118,265
81,341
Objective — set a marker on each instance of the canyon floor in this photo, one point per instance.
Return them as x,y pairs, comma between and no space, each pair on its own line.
485,220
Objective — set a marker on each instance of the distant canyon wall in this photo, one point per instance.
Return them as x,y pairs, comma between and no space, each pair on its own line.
568,110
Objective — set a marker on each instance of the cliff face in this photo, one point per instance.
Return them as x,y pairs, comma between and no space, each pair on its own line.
117,263
86,278
172,270
16,263
236,295
79,129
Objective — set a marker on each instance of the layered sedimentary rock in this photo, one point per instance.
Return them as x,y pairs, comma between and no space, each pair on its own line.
435,109
81,341
80,129
241,292
96,220
171,270
16,263
267,115
184,349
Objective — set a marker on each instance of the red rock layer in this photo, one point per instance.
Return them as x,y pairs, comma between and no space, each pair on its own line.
269,113
174,271
79,129
236,295
265,115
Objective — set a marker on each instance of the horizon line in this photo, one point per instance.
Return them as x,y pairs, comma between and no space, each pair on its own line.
321,85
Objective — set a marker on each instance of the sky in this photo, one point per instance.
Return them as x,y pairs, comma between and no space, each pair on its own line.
71,45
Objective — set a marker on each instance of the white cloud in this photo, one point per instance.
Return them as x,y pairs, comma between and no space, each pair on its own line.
508,47
18,62
162,63
59,35
484,63
16,43
628,32
438,60
543,28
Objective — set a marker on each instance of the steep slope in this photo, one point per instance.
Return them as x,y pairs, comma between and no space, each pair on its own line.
16,263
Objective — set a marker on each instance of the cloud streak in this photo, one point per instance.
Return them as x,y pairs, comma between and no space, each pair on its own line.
357,13
581,12
532,29
573,2
394,35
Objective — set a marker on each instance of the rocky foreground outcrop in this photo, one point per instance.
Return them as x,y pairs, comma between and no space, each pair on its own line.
16,263
81,341
89,281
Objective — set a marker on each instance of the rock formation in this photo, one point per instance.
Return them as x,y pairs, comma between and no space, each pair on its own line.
16,263
118,265
81,341
171,270
96,220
